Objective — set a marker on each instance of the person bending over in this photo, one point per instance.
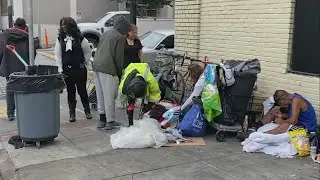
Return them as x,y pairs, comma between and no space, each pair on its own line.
290,109
197,78
138,82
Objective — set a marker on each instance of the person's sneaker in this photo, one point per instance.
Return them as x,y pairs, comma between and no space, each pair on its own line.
101,124
115,124
88,115
244,135
11,117
108,127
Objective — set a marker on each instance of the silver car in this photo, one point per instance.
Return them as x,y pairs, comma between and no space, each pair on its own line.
153,42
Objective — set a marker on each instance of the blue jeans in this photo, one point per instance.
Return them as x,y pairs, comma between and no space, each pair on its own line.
10,102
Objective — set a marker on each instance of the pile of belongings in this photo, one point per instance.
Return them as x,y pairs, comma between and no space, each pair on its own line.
285,145
160,126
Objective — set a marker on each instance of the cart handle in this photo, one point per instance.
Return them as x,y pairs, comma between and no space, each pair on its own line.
11,48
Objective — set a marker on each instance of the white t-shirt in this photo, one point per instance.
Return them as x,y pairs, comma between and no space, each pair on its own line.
198,88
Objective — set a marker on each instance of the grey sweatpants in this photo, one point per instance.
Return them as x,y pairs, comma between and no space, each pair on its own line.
107,92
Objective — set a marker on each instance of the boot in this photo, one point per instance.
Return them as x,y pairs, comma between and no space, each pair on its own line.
72,116
130,117
11,116
102,121
72,110
88,114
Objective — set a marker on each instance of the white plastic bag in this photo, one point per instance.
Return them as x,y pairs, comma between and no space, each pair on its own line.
144,133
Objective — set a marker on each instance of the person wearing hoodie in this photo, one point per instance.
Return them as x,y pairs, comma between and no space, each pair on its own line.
108,67
9,63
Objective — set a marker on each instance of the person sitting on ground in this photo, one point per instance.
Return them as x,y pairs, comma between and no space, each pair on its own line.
138,82
289,109
197,78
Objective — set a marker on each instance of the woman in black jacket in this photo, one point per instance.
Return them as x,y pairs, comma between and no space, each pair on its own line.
72,53
132,48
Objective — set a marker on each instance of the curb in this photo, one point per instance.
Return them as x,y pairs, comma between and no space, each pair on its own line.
7,170
48,55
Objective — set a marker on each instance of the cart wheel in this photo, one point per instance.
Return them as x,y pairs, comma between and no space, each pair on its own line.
38,144
220,136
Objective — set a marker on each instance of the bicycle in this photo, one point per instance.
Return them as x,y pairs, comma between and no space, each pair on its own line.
168,76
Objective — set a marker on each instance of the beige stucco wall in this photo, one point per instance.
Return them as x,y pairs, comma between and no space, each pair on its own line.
243,29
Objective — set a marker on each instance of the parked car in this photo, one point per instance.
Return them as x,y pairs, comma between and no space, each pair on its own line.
93,30
153,42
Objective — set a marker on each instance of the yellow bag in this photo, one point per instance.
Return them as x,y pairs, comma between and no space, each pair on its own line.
299,138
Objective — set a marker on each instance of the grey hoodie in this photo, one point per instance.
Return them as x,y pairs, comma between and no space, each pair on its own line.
110,52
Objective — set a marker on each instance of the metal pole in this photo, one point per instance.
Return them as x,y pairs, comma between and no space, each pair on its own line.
31,39
10,13
39,25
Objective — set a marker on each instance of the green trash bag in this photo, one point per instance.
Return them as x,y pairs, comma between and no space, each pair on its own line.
210,95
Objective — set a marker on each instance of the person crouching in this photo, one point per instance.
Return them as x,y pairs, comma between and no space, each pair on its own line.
139,82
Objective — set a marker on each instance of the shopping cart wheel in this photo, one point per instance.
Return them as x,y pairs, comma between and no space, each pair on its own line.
38,144
221,136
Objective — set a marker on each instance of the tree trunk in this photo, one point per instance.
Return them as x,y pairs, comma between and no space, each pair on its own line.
133,12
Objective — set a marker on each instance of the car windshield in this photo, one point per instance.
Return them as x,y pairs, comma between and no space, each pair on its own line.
151,39
102,18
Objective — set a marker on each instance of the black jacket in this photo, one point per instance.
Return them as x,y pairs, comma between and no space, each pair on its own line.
9,63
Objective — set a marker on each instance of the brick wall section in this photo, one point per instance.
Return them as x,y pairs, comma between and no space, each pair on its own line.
243,29
187,26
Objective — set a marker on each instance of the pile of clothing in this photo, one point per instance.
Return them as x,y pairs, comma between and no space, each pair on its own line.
277,145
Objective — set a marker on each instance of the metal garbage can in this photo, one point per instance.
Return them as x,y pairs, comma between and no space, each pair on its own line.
37,100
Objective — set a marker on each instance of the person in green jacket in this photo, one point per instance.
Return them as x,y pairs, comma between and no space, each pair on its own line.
108,67
138,82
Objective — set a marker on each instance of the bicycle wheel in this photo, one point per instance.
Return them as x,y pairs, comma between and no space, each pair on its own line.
179,86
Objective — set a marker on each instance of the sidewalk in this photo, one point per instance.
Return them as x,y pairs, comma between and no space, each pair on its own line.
83,152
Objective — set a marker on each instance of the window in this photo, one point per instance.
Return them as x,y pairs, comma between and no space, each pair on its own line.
306,40
168,42
4,7
152,12
151,39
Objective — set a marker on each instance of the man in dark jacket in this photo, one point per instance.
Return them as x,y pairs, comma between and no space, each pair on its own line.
9,63
107,65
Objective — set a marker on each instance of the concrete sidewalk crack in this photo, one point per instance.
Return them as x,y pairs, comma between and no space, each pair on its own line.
74,144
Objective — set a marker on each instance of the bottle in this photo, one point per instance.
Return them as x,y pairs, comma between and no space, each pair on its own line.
313,144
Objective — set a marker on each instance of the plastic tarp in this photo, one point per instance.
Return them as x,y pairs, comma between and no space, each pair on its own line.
144,133
21,82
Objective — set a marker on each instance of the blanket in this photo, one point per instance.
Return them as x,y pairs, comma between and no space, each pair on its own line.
277,145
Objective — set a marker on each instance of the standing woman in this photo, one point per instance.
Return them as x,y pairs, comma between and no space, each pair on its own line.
72,53
132,48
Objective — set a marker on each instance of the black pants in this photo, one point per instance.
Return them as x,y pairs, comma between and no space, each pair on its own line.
10,102
76,80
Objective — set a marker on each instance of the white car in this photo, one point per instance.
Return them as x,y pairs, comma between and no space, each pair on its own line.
154,41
